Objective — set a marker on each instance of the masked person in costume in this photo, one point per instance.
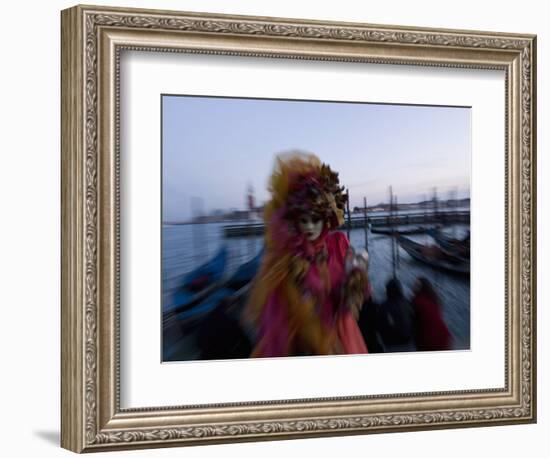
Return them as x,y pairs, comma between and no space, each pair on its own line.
310,288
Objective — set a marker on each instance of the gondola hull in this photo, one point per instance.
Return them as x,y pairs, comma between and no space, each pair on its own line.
178,326
444,261
385,230
197,284
452,246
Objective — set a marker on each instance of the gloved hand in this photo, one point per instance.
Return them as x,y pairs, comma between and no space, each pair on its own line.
356,287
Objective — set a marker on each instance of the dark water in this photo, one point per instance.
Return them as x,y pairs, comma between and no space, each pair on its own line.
453,290
185,247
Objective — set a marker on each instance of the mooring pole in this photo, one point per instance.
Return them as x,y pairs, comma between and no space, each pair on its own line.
436,206
454,193
392,232
349,216
366,223
396,243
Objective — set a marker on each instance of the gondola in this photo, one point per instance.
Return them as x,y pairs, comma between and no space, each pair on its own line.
242,276
197,284
388,230
178,325
434,256
451,245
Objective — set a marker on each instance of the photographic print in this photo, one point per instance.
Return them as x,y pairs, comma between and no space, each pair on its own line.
305,217
306,228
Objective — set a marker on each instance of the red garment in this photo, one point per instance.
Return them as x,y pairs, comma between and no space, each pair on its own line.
334,314
274,335
431,332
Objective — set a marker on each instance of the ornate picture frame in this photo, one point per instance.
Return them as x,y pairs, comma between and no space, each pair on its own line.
93,39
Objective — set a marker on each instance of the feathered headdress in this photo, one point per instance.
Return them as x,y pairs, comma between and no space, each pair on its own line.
300,184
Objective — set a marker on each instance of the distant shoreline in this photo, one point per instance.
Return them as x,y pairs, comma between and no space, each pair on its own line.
375,210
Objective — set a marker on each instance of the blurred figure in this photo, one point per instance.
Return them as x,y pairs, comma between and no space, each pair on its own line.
311,285
396,318
431,332
220,335
368,323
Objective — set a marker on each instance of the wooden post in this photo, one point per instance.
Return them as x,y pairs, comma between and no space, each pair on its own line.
425,208
396,243
366,223
453,199
349,216
392,232
436,209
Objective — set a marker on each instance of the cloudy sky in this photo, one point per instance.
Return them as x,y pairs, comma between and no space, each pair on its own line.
215,148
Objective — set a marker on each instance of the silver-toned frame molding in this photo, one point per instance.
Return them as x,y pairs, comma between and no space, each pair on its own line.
92,40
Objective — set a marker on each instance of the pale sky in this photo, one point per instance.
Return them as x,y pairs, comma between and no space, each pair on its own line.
214,148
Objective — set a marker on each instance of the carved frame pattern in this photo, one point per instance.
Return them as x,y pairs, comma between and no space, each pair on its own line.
90,21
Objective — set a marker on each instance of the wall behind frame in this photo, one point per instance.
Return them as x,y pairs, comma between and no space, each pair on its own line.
29,233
